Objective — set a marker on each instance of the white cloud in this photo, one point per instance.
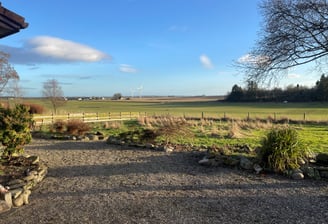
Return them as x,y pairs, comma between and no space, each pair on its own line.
127,68
246,58
64,49
46,49
206,61
294,76
253,59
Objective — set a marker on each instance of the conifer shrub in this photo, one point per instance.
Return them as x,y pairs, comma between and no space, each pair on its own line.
14,129
282,150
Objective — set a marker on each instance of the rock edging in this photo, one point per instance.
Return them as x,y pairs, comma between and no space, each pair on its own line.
17,191
316,169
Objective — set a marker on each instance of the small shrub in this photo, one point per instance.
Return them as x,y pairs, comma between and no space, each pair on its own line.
35,108
14,129
59,126
281,150
77,127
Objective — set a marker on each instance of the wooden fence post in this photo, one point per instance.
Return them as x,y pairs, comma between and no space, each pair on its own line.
52,118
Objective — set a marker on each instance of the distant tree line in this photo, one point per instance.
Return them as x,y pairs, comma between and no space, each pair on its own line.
252,93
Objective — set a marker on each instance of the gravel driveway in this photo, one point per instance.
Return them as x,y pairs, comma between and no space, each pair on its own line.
92,182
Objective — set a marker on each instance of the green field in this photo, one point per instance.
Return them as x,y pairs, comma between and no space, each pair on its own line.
295,111
313,135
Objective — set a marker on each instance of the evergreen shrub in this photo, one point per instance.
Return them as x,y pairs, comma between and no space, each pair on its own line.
15,129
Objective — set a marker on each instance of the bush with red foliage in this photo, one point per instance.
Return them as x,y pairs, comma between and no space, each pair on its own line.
59,126
77,127
35,108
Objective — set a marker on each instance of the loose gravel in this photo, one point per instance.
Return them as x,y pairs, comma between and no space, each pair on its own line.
93,182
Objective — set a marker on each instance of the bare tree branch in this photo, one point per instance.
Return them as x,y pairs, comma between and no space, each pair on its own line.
7,72
295,32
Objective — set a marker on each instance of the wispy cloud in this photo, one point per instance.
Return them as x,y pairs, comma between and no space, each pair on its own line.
206,61
127,68
46,49
66,76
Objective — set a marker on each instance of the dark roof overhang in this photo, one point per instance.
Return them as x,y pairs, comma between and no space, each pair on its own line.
10,22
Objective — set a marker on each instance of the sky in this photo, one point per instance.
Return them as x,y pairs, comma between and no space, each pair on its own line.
136,47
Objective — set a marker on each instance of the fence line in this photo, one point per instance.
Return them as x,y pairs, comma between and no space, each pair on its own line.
121,116
86,117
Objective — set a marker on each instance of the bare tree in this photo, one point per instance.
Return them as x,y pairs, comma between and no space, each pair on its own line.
294,32
7,72
53,91
13,89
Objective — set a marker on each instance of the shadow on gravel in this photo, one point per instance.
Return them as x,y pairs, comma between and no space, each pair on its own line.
72,145
174,163
164,188
179,162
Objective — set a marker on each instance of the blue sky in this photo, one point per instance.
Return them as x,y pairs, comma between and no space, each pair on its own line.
148,47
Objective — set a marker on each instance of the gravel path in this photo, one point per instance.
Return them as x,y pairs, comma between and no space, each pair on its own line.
92,182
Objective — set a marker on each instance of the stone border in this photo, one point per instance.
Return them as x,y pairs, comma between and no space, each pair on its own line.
316,169
17,191
86,137
312,169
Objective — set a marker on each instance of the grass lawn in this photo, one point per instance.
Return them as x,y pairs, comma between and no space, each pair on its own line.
315,136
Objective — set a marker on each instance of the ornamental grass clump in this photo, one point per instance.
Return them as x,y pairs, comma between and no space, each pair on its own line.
282,150
172,129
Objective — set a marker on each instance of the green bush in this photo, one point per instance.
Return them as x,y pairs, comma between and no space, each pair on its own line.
282,150
15,129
